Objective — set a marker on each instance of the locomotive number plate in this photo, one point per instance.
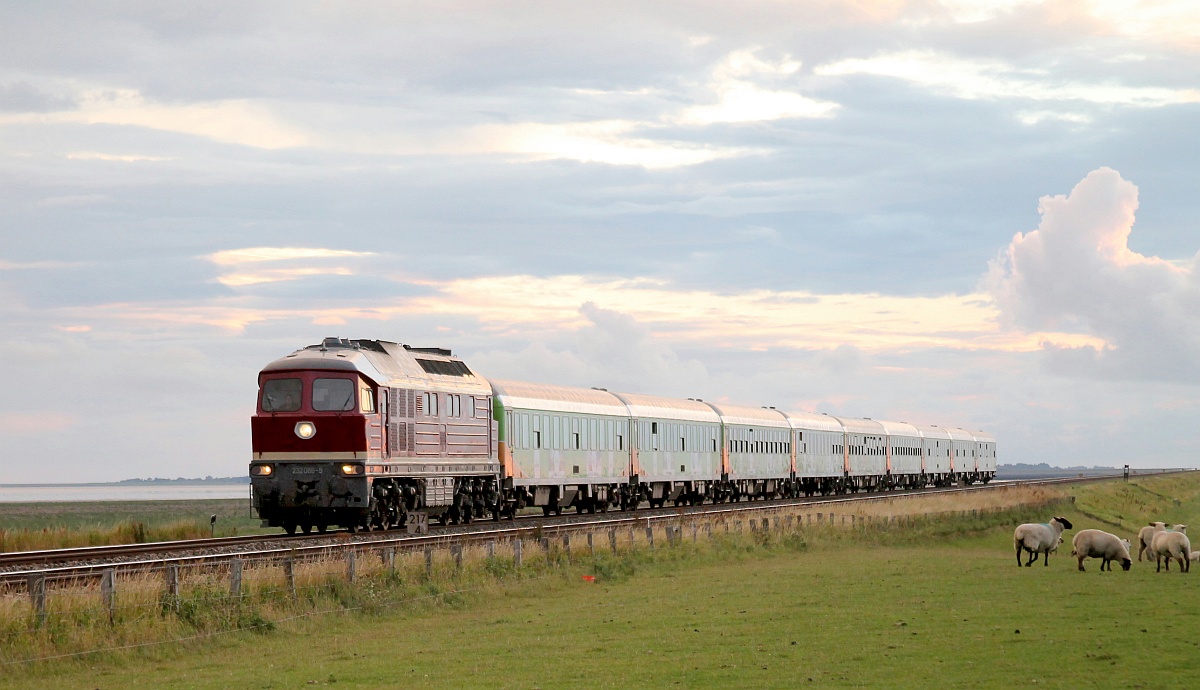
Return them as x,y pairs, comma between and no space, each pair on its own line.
306,470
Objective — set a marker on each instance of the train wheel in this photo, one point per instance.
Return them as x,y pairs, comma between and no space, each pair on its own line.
322,527
289,527
306,528
352,528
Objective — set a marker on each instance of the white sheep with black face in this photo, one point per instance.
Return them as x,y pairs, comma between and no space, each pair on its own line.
1094,543
1039,539
1172,543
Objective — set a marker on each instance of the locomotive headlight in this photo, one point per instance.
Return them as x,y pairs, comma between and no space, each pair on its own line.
261,470
306,430
352,469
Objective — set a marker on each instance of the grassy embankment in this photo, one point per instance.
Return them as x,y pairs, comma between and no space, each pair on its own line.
936,603
30,526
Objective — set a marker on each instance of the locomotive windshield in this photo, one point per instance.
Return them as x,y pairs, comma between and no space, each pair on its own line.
281,395
333,394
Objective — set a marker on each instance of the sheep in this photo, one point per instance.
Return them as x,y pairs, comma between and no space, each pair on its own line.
1170,544
1039,539
1097,544
1194,556
1146,535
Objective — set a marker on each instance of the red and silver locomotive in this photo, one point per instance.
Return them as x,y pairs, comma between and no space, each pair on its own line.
361,433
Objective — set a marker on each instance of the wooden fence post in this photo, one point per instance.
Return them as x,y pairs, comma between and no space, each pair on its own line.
429,560
389,559
612,539
172,575
235,578
517,553
491,549
351,566
591,544
650,536
37,597
108,592
457,551
289,575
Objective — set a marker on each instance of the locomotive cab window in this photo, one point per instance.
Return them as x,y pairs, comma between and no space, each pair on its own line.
366,399
281,395
333,395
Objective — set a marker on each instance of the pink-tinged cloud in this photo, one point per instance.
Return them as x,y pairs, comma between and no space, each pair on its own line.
29,423
1076,273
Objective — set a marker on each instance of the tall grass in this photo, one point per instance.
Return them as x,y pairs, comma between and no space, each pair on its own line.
124,532
145,614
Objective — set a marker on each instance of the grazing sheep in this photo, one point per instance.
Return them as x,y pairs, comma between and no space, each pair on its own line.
1039,539
1172,544
1194,556
1146,535
1093,543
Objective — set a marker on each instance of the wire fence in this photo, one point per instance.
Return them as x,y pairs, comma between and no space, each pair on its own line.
120,610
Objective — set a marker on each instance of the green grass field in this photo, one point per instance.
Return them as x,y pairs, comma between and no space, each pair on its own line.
942,608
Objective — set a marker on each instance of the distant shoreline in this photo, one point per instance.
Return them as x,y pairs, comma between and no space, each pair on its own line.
211,481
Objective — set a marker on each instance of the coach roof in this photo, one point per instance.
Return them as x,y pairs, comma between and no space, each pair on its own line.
668,408
543,396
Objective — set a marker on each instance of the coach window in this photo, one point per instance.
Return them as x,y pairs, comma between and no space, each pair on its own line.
281,395
333,395
366,399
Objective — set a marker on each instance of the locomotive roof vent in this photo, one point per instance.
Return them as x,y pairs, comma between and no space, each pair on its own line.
430,350
329,343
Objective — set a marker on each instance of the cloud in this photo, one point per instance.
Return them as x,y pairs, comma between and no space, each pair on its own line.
232,121
250,273
251,255
742,99
1076,273
993,79
23,97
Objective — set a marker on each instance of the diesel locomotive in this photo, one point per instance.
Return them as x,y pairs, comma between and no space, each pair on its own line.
369,434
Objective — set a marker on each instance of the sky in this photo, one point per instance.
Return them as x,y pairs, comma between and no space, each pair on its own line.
975,214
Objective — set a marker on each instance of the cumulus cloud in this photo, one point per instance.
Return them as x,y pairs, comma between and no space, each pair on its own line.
1076,273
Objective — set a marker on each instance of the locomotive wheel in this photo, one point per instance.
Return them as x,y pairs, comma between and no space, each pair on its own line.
306,528
322,527
546,511
352,528
289,527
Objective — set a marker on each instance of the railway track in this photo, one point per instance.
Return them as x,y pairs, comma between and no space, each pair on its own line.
84,562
